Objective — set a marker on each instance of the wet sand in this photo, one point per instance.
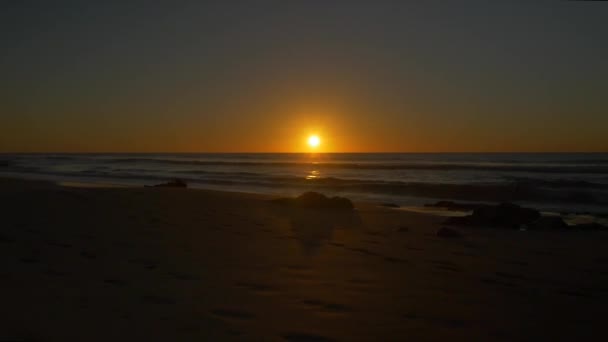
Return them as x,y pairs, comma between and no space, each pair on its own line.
89,263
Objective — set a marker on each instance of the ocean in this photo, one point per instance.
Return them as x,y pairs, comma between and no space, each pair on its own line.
555,181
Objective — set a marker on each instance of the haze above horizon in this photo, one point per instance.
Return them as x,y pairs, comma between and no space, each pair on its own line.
362,76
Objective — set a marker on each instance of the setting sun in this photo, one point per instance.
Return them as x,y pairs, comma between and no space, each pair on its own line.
314,141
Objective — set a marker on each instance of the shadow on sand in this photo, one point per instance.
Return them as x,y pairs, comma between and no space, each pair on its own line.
315,227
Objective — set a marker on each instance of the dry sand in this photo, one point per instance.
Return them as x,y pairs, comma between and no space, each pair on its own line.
88,264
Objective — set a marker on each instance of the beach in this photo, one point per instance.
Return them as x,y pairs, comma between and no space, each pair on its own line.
101,263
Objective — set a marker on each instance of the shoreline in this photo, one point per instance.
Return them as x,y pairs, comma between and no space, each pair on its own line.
572,215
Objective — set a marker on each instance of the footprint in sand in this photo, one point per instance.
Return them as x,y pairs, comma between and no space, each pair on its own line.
184,276
115,281
232,314
511,276
59,244
88,255
153,299
467,254
147,263
305,337
360,285
395,260
411,316
517,262
489,280
373,233
446,265
85,236
403,229
360,281
575,293
56,273
29,260
449,268
6,238
448,322
327,307
363,251
257,287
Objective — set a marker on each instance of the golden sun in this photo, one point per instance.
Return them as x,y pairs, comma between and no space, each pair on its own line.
314,141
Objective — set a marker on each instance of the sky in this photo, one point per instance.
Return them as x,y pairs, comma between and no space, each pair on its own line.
261,76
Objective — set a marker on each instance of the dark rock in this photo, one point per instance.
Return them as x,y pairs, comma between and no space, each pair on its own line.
340,203
459,220
548,223
505,215
454,206
174,183
283,201
389,205
448,233
316,200
589,226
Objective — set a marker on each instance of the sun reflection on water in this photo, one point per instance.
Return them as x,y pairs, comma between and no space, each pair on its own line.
313,174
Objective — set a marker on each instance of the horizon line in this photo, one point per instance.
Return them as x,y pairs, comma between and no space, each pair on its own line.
311,152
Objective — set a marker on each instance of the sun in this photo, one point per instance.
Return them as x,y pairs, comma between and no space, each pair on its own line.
314,141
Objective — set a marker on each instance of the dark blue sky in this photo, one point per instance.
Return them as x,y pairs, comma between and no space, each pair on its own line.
260,75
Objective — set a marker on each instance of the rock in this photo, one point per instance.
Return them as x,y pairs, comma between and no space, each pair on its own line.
448,233
317,201
311,199
548,223
175,183
340,203
589,226
454,206
389,205
459,220
505,215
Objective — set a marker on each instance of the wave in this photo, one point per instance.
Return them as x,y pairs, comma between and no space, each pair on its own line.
549,191
546,168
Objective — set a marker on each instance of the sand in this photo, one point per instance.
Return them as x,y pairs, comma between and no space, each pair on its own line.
99,264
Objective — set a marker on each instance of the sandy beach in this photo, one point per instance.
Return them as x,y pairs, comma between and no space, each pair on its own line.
131,263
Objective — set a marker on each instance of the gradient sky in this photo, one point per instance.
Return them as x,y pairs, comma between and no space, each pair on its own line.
259,76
